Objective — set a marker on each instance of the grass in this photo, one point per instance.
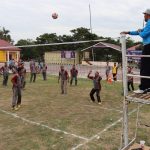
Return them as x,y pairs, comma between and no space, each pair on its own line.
73,113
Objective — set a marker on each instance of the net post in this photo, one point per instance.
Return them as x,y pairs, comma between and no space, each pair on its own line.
125,91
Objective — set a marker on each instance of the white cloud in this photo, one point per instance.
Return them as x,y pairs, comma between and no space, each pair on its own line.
28,19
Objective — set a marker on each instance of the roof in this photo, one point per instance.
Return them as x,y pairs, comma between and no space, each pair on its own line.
104,45
5,46
134,47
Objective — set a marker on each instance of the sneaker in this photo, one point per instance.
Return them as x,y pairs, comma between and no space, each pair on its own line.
13,108
92,101
138,91
19,105
146,91
16,108
99,103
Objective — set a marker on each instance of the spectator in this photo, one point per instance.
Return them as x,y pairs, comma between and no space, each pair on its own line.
130,80
108,68
5,71
114,72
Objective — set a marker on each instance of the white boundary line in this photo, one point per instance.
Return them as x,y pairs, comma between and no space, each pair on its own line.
104,108
42,125
87,140
104,130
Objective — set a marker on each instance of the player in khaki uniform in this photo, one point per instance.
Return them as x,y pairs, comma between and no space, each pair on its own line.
74,74
33,71
44,71
97,86
5,71
64,77
23,75
17,87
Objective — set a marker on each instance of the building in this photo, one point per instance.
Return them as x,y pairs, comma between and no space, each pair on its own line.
135,47
102,51
93,53
62,57
8,51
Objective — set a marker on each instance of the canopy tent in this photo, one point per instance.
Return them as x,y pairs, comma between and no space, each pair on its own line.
97,53
104,45
133,48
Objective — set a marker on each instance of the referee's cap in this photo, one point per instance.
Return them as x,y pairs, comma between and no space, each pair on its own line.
147,11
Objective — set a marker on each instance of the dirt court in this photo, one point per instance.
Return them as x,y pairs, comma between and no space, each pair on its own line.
48,120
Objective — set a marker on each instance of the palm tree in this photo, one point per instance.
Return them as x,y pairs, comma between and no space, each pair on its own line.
4,34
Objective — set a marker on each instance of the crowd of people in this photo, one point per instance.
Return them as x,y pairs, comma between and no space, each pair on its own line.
19,78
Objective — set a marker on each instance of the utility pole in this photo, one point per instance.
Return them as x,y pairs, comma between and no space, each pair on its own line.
90,18
91,29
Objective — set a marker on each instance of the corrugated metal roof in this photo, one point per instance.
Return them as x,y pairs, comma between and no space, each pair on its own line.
8,46
133,47
104,45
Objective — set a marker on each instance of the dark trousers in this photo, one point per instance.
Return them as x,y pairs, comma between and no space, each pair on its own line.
16,96
97,94
145,68
115,76
23,82
130,84
75,78
44,75
33,76
5,80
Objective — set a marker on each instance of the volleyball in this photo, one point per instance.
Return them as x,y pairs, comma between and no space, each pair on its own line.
54,15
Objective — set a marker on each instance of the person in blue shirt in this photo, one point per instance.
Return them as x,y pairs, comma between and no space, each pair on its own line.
145,68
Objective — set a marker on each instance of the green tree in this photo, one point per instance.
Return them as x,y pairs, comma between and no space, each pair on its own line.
78,34
81,34
4,34
47,38
66,38
28,52
130,42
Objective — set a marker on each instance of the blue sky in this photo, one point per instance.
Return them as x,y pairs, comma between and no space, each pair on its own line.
28,19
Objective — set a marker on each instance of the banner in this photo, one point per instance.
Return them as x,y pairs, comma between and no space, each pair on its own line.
67,54
134,52
86,55
63,54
